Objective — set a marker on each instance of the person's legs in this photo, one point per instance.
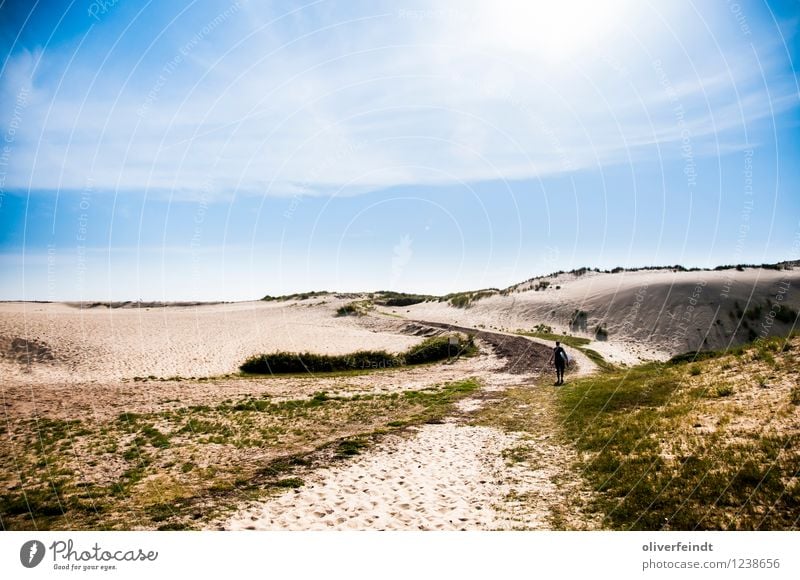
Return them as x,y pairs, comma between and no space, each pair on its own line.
559,374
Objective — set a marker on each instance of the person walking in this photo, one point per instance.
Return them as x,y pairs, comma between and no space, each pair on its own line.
561,360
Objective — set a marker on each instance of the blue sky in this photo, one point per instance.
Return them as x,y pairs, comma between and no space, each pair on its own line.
225,150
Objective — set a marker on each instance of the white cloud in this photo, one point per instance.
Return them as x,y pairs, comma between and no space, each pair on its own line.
461,92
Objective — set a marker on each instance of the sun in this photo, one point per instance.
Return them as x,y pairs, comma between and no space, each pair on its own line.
551,30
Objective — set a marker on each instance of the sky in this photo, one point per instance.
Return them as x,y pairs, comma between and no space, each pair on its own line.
227,150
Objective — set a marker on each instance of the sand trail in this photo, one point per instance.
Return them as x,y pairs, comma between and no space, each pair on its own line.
444,477
448,476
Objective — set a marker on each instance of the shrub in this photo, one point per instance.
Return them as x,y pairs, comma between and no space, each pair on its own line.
465,299
298,296
290,362
723,391
357,308
431,350
385,298
578,320
435,349
786,314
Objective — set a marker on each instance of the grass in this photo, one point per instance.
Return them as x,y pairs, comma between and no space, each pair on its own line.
178,468
759,349
598,359
467,299
297,296
723,391
667,447
431,350
398,299
355,308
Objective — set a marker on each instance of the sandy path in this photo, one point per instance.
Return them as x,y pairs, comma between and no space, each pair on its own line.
450,476
445,477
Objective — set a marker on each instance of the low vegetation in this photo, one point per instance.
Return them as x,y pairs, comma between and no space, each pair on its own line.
695,443
180,468
387,298
578,320
297,296
467,299
535,283
355,308
431,350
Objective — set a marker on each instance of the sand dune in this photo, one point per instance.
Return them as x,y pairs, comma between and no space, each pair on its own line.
647,314
65,343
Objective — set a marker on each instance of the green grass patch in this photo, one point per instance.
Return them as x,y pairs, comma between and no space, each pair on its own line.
298,296
723,390
652,470
467,299
433,349
356,308
399,299
351,447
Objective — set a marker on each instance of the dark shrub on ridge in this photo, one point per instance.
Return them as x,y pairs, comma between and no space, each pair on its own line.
431,350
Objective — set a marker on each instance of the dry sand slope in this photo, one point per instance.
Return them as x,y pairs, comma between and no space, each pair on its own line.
648,315
59,342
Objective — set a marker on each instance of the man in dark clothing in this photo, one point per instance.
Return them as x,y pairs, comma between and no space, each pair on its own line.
561,360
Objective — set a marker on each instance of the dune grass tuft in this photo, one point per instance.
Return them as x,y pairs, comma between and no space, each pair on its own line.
431,350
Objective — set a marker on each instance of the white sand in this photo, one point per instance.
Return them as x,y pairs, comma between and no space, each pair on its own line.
447,477
102,344
649,315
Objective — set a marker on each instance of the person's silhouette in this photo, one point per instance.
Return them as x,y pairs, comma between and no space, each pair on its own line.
561,360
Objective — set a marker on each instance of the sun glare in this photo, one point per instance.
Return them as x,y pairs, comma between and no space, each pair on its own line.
553,30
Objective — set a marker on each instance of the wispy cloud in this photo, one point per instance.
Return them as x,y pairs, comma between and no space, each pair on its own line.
313,101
